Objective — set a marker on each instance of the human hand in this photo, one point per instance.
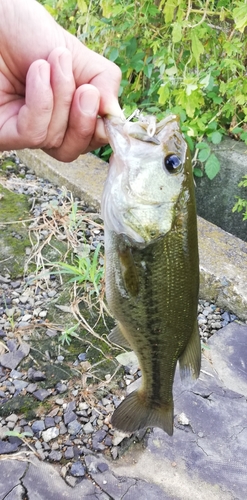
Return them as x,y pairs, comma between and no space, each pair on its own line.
52,87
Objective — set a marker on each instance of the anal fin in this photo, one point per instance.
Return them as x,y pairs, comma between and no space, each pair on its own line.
190,360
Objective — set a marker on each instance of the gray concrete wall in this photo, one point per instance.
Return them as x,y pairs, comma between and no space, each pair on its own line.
216,198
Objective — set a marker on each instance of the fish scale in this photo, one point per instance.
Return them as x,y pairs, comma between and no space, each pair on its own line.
152,278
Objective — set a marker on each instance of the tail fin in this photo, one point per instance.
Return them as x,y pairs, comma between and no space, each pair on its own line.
132,414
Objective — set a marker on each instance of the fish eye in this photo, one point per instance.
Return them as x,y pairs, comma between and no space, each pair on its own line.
172,163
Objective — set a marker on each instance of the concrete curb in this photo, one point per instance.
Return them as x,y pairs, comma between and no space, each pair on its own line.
223,257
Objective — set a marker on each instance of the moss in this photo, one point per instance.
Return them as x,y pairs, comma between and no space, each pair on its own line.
23,405
9,164
13,207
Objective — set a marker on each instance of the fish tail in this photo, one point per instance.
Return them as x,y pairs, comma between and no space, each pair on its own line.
133,414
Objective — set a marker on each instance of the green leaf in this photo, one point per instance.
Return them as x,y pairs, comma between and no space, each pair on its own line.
206,80
82,5
131,48
198,172
202,145
190,142
106,8
113,54
190,88
217,99
197,47
163,94
176,32
243,136
240,17
107,152
212,126
148,70
171,71
237,130
170,6
212,166
216,137
204,154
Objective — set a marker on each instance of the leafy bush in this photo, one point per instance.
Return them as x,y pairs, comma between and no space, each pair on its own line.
185,57
241,203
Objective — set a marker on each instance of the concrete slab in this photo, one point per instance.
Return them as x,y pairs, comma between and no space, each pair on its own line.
43,482
11,475
223,257
206,458
85,176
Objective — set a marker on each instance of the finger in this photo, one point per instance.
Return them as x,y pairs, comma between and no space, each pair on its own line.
82,124
107,82
63,87
24,123
35,115
99,138
98,71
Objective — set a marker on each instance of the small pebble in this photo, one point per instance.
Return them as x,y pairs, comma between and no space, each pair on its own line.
50,434
77,469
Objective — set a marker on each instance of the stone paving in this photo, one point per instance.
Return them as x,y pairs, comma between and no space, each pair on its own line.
205,458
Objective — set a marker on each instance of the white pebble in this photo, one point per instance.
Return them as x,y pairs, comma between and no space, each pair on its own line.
26,317
42,314
50,434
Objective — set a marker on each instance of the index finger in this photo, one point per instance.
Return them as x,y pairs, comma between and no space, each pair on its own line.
90,67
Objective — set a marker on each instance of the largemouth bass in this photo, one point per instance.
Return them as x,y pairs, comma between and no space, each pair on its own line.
152,269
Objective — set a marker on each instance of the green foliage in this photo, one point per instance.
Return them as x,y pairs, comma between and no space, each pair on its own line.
67,335
241,203
20,435
176,56
85,270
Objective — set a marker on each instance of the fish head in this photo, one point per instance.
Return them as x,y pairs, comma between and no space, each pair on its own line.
150,178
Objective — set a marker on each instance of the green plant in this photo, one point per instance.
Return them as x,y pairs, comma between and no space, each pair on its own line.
67,335
20,435
10,313
241,203
85,270
176,56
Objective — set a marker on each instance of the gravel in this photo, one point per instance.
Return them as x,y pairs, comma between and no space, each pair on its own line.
76,426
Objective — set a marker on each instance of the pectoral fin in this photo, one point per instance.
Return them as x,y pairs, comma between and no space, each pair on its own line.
129,271
190,361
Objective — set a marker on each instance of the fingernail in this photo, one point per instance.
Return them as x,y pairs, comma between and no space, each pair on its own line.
112,108
44,73
65,62
89,102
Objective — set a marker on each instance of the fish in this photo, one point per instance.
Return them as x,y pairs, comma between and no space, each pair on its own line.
151,262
